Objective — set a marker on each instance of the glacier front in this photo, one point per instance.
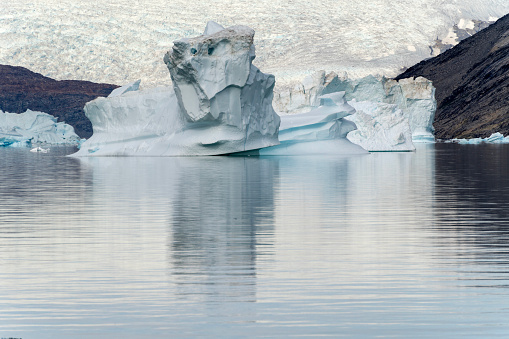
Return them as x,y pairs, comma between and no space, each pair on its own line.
220,103
33,128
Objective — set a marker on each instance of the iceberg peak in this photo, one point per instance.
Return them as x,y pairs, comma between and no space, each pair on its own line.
212,27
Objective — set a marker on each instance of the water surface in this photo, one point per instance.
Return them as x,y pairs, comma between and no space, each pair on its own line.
383,245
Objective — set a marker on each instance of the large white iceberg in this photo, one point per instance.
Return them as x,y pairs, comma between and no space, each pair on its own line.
321,131
33,128
220,103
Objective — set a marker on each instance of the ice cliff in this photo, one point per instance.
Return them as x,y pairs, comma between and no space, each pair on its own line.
34,128
220,103
390,114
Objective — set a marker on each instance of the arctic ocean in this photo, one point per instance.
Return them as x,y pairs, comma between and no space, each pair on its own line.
400,245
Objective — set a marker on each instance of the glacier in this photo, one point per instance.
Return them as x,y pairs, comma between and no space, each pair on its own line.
116,41
33,128
220,103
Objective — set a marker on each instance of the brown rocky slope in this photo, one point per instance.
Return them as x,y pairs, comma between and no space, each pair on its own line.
22,89
472,84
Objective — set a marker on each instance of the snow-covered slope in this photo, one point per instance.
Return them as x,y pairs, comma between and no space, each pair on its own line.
122,41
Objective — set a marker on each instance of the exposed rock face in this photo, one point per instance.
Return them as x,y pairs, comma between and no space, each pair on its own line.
21,89
472,84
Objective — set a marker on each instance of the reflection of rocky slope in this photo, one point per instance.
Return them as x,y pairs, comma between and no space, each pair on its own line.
22,89
472,84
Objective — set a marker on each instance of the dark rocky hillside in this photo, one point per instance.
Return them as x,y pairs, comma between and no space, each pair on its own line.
472,84
22,89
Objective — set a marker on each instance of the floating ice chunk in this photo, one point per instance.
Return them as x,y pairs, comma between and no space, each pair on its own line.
30,128
495,138
133,86
39,150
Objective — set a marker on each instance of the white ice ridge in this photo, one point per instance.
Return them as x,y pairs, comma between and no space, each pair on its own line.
133,86
321,131
219,104
495,138
114,41
34,128
390,114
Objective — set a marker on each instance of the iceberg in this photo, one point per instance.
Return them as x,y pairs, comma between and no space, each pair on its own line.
391,115
39,149
34,128
321,131
220,103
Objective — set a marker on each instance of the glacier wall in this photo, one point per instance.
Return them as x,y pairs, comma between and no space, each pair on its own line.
34,128
120,41
220,103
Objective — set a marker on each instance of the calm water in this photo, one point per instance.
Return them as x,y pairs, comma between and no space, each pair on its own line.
402,245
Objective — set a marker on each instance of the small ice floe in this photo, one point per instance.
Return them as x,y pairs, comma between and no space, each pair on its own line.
39,150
